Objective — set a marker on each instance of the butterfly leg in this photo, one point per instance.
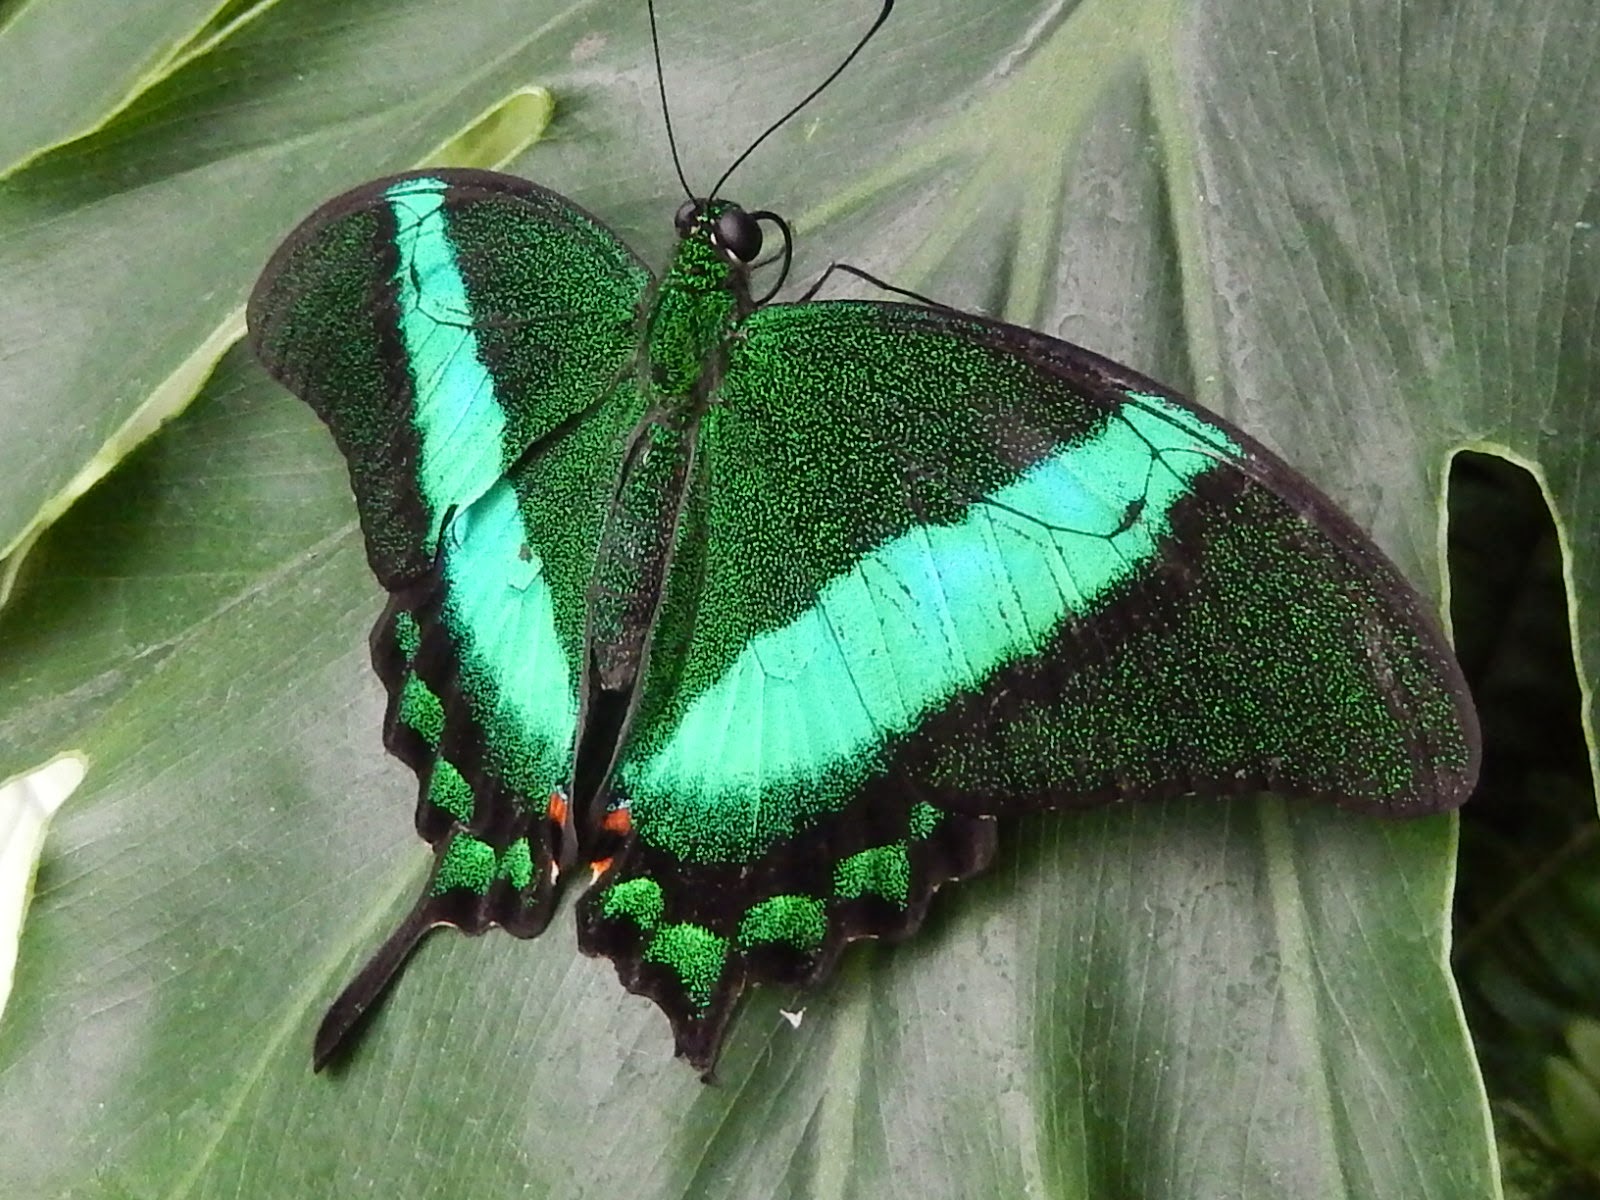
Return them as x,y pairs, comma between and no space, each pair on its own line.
847,269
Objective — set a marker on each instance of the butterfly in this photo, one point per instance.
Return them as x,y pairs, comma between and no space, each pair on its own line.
756,616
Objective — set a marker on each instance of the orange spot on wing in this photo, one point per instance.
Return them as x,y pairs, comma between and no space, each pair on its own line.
617,821
599,866
557,808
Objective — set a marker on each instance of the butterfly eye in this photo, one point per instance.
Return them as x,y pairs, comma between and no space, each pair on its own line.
738,234
687,211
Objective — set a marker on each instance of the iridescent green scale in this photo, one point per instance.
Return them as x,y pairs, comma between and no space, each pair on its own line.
763,613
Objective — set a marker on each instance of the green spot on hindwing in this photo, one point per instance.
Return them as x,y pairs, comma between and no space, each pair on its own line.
421,711
516,865
449,790
407,634
923,820
882,871
639,899
798,921
696,955
468,864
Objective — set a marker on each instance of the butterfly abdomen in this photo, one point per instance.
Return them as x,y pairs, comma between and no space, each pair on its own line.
635,548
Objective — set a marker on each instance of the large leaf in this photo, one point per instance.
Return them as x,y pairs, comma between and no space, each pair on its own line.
1366,234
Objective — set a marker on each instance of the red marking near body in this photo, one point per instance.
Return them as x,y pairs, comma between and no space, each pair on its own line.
617,821
557,808
600,866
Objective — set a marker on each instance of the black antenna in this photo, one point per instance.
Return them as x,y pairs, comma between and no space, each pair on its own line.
666,113
883,15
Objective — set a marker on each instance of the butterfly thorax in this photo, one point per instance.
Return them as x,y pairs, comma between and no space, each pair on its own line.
694,312
699,302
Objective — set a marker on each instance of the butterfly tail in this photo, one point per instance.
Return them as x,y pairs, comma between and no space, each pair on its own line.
362,992
474,885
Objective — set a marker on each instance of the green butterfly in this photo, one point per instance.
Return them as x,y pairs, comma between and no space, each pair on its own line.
764,612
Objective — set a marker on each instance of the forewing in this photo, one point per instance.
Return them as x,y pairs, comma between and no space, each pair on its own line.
441,323
935,569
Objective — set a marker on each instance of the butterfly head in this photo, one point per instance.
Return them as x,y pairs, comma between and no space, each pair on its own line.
721,226
734,236
733,232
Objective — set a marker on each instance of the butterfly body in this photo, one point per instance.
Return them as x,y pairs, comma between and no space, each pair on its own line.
686,324
763,613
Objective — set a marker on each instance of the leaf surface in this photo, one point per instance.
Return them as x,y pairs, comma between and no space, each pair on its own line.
1368,235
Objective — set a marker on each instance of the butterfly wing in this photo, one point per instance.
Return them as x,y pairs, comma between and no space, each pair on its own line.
466,337
933,569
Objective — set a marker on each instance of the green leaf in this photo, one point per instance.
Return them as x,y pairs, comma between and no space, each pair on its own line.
1575,1104
1583,1039
1365,231
74,69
